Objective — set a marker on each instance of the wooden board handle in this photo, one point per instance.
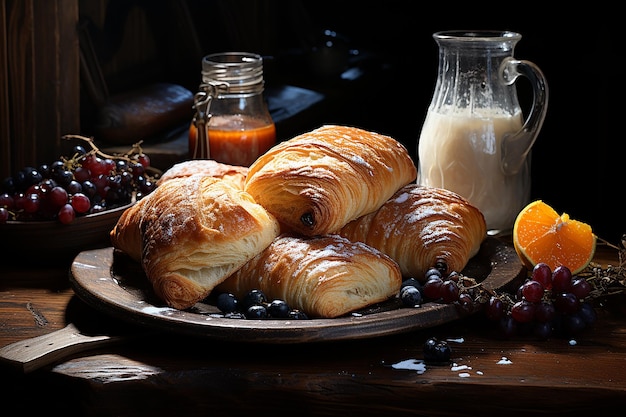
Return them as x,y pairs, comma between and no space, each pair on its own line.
34,353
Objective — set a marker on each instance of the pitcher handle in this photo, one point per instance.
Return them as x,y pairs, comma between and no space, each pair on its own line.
515,147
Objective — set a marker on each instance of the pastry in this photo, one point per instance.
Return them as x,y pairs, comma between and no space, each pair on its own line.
323,276
193,232
126,234
421,225
317,182
209,167
128,239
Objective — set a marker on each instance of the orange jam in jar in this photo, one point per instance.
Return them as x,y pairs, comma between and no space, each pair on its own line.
236,139
231,107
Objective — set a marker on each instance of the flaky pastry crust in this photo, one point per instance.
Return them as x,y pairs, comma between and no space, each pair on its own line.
419,226
317,182
193,233
325,276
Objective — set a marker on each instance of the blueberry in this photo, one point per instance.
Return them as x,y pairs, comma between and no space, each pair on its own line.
410,296
297,315
412,282
253,297
433,272
256,311
278,309
227,302
437,352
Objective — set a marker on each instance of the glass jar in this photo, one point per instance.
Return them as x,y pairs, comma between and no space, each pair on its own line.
232,123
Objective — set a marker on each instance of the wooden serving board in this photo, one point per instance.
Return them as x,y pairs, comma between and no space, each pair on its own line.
111,282
115,286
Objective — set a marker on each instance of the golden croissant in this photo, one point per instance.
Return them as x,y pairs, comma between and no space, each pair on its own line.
323,276
127,237
317,182
420,226
191,233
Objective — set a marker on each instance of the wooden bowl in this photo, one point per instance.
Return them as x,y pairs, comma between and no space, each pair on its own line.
54,243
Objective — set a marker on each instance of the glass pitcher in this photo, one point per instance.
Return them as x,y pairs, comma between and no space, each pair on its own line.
475,140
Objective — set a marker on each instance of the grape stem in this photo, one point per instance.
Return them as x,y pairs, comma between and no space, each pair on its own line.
136,148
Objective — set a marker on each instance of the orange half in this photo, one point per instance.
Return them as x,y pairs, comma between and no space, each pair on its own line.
540,234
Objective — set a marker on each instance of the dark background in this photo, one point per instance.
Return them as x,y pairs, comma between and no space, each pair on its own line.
577,159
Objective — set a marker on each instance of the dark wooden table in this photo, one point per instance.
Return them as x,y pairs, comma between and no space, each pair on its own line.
150,373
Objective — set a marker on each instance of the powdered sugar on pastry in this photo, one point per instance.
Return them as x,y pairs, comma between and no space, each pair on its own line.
317,182
420,225
325,276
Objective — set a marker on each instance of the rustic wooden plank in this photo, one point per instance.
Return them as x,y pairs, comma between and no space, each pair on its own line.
56,77
68,63
41,79
4,88
20,80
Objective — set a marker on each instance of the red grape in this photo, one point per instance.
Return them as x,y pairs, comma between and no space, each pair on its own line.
561,279
432,288
47,184
82,174
545,311
81,203
508,326
567,302
109,165
144,160
588,313
523,311
532,291
96,165
31,203
66,214
101,182
574,323
466,303
542,274
35,189
495,308
18,201
581,288
449,291
6,201
137,169
57,197
543,330
4,215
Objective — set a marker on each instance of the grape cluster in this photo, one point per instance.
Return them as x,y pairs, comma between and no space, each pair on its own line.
88,182
548,303
255,305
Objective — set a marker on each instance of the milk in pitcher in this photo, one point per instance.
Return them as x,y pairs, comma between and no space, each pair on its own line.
461,152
